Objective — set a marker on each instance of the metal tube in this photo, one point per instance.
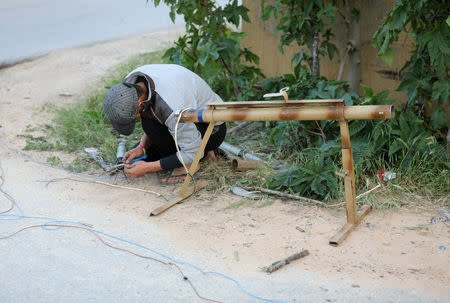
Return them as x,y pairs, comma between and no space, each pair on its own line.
362,112
243,165
236,151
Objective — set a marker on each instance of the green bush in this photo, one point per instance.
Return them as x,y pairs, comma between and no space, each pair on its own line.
313,177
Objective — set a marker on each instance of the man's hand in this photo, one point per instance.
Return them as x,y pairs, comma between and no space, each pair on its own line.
139,168
132,154
136,169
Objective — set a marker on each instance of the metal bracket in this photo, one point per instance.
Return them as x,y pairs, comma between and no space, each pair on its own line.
283,92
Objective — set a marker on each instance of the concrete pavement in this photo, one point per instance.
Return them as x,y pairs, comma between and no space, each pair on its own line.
33,28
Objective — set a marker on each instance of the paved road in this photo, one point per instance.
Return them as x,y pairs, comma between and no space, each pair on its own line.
32,28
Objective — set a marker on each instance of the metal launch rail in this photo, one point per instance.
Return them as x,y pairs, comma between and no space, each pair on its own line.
334,109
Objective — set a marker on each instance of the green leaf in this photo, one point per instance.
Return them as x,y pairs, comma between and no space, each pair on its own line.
331,50
438,118
448,21
441,90
328,145
413,83
347,99
388,56
396,146
368,91
317,186
399,17
267,12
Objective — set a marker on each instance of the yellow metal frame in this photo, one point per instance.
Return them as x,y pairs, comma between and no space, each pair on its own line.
334,109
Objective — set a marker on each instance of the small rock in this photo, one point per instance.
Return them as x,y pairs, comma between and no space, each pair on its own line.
66,94
236,255
434,220
403,253
300,229
444,213
414,270
371,226
355,286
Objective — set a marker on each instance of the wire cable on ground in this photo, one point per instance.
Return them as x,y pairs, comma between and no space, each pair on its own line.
63,223
52,166
45,226
4,216
81,174
109,184
6,194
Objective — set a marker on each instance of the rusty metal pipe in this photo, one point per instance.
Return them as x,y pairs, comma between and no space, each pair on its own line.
244,165
361,112
226,147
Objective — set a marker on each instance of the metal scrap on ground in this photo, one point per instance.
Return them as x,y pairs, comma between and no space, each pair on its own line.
277,265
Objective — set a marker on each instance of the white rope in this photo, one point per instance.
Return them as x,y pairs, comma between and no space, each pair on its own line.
176,139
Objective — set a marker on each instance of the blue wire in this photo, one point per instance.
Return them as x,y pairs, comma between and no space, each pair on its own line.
10,217
242,288
138,159
62,222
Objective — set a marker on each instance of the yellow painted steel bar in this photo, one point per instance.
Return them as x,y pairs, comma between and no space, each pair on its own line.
296,110
275,103
349,179
361,112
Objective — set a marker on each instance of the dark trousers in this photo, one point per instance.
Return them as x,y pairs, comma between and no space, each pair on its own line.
163,144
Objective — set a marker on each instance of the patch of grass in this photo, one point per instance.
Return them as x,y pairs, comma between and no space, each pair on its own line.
219,173
49,108
385,203
37,143
80,164
54,160
425,176
241,202
222,176
265,203
418,227
29,128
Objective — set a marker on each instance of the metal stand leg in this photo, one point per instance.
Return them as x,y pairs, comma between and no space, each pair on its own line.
353,216
184,193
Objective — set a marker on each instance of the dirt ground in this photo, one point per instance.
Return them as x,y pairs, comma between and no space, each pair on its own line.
399,248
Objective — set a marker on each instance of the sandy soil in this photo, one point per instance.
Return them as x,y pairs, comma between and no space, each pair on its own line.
399,248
